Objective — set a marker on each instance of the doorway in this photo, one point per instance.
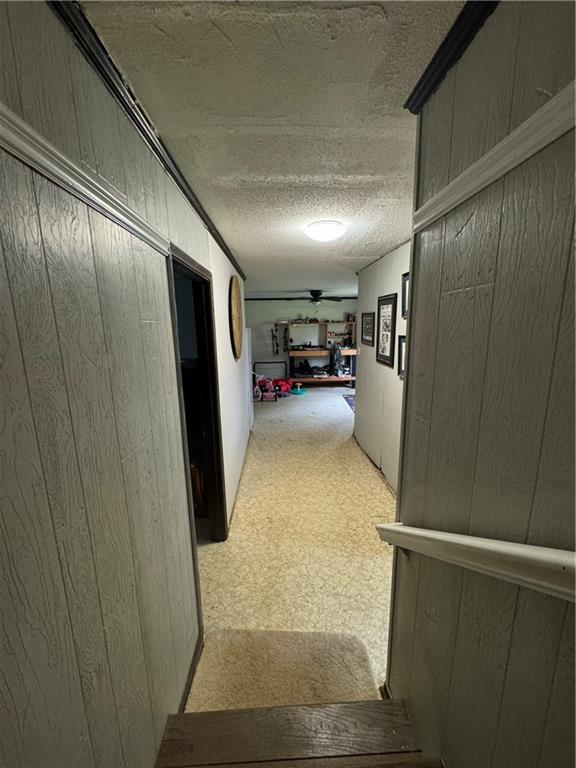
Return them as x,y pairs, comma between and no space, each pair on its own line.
191,296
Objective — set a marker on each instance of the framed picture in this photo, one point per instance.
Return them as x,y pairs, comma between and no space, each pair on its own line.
368,328
386,329
405,293
402,356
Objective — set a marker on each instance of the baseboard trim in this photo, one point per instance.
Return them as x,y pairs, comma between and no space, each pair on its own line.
192,671
542,128
19,139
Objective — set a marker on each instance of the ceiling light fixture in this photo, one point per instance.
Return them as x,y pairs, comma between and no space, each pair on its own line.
326,230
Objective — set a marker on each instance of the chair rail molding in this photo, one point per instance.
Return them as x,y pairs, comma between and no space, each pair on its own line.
19,139
547,124
543,569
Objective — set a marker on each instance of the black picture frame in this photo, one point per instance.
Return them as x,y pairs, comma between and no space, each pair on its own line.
402,356
367,328
386,329
405,293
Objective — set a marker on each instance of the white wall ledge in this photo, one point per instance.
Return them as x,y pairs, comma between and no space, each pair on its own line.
543,569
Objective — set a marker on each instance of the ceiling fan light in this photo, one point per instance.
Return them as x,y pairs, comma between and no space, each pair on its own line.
325,230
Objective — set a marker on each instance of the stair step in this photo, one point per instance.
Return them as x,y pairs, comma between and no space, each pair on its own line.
368,730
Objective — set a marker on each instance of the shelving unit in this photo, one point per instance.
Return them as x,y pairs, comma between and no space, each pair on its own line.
327,331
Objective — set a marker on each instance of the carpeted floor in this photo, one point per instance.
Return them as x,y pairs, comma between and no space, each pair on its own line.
240,669
303,554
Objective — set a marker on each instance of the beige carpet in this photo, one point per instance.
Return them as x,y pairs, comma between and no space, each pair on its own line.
242,669
303,554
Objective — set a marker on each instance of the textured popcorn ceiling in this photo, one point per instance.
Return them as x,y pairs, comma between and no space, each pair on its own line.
280,113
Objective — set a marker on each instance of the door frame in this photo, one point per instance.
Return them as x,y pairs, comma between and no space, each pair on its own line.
218,519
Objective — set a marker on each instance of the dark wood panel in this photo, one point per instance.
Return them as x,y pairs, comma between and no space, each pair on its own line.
552,520
435,140
529,678
545,58
478,668
410,760
282,733
536,235
463,330
42,718
483,95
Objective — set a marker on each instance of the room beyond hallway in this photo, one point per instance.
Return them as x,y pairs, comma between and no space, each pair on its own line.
303,554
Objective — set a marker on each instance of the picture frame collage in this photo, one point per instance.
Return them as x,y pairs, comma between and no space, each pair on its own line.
379,328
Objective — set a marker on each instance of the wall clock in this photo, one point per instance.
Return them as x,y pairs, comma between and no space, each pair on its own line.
235,317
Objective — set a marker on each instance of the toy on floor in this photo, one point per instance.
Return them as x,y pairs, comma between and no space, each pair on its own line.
267,389
298,389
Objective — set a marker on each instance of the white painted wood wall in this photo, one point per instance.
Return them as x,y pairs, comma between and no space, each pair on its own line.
487,667
98,613
379,390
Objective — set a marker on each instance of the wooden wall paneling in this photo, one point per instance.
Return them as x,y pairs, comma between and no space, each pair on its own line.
483,92
424,319
471,240
186,229
416,448
98,116
77,310
134,152
435,140
189,625
552,518
151,276
558,743
545,57
42,717
478,669
401,636
155,183
174,202
49,398
45,81
529,677
463,331
534,243
122,329
9,94
435,630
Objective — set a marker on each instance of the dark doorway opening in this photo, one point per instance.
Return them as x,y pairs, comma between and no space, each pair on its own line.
191,287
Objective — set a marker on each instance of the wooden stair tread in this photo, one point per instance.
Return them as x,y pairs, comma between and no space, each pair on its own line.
287,733
408,760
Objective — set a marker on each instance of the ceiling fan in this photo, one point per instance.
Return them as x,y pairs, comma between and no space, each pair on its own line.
315,297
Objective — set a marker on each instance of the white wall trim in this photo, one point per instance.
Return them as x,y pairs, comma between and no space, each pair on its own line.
546,570
546,125
19,139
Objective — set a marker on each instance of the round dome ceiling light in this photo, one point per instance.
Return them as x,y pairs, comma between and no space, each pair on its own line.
325,230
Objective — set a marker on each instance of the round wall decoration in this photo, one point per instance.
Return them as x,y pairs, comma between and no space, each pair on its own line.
235,317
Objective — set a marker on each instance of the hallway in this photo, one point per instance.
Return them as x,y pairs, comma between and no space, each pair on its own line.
303,554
